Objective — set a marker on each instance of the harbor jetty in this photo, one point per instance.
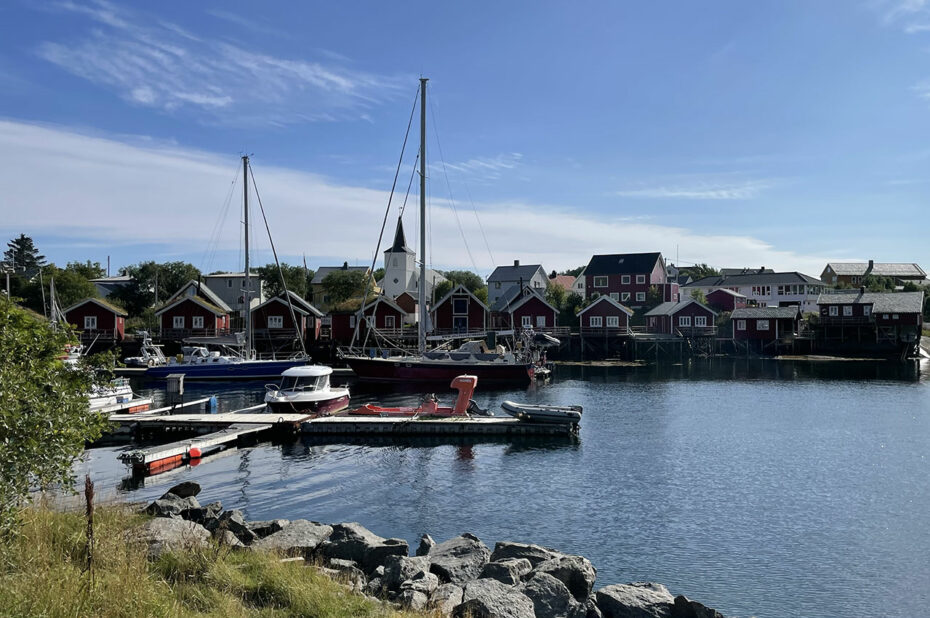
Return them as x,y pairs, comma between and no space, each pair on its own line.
457,577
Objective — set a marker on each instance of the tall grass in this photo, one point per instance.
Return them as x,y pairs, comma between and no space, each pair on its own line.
42,573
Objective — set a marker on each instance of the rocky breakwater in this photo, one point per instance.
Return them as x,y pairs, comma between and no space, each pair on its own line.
460,577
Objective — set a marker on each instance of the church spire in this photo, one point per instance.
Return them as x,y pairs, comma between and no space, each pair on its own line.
400,242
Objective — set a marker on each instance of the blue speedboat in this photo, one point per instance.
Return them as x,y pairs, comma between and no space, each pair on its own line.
198,363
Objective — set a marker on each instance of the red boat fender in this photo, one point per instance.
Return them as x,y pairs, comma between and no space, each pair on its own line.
194,453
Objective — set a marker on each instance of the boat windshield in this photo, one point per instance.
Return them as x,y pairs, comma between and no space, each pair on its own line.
305,383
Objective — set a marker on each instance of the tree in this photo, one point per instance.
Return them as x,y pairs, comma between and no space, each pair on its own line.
472,282
379,274
70,287
877,283
341,285
555,295
44,420
139,293
699,271
654,298
568,315
574,272
698,295
23,256
87,269
297,279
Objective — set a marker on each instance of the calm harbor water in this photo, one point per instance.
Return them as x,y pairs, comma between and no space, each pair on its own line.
760,488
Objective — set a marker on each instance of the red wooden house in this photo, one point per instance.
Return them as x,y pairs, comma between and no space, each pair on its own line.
272,319
459,311
605,316
188,316
686,318
765,324
627,278
97,319
723,299
523,308
409,303
387,316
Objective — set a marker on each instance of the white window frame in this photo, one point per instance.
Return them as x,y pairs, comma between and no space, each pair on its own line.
526,321
351,321
595,321
684,321
741,325
615,296
640,278
540,321
275,321
90,322
177,321
197,321
834,311
866,310
640,297
625,296
700,320
625,279
600,281
613,321
894,316
762,324
389,321
847,311
460,300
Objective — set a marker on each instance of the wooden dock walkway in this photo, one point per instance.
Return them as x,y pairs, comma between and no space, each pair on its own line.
452,426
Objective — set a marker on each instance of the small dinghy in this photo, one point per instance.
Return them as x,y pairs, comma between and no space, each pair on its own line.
542,413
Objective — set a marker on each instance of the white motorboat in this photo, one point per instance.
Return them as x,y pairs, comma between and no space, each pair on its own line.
150,355
536,413
306,389
117,391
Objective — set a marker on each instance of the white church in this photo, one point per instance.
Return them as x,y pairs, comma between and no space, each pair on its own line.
401,273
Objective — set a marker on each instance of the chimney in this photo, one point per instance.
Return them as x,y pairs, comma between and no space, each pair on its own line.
868,270
516,262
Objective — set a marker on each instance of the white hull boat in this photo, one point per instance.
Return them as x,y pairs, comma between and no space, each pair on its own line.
306,389
542,413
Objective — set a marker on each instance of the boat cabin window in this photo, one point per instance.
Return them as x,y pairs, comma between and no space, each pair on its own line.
305,383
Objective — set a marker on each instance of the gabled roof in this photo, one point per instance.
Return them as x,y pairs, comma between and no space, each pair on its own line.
528,295
879,269
608,299
400,241
772,313
746,270
672,307
516,272
117,279
504,300
322,271
241,274
202,290
98,301
716,281
300,305
194,299
384,300
565,281
622,263
882,302
459,289
726,291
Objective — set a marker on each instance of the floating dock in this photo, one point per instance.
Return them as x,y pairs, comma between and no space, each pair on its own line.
419,426
133,406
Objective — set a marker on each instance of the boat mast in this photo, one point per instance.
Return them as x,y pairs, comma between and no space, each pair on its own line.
421,331
248,282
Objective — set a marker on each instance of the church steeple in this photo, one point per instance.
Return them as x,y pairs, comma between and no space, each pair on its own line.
400,242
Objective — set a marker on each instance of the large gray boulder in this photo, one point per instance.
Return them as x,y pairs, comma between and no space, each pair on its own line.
187,489
686,608
261,529
551,598
636,600
506,550
576,572
426,544
424,582
352,541
489,598
445,598
398,569
170,505
460,559
298,538
508,572
234,522
167,533
203,514
413,600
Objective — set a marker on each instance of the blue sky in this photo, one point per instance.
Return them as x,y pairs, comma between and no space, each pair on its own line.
782,134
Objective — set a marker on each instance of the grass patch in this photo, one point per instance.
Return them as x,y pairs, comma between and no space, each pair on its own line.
42,574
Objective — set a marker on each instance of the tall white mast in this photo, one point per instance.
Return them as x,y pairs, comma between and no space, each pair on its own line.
421,331
248,282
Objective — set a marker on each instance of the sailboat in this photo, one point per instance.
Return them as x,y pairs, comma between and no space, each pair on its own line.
489,361
198,362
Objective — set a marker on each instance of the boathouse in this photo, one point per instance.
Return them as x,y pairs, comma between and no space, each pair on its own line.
191,316
853,273
524,308
766,326
385,314
459,312
627,278
686,318
605,316
885,317
96,319
723,299
272,322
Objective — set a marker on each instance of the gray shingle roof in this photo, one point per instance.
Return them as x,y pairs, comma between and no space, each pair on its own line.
771,313
753,279
515,273
882,302
672,307
880,269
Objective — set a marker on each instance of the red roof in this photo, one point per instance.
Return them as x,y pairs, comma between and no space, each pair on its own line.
566,281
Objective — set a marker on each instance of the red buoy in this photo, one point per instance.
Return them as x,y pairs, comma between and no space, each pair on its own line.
194,453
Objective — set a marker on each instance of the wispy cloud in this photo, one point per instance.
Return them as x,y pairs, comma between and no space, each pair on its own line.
157,199
482,168
709,190
157,64
242,22
912,16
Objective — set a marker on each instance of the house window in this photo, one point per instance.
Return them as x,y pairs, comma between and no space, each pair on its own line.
459,306
614,296
884,316
526,321
90,322
624,279
834,310
613,321
762,324
595,321
866,310
700,320
640,296
684,320
389,321
761,290
197,321
351,321
741,325
600,282
579,285
497,285
274,321
847,310
625,296
229,283
894,317
178,321
540,321
640,278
